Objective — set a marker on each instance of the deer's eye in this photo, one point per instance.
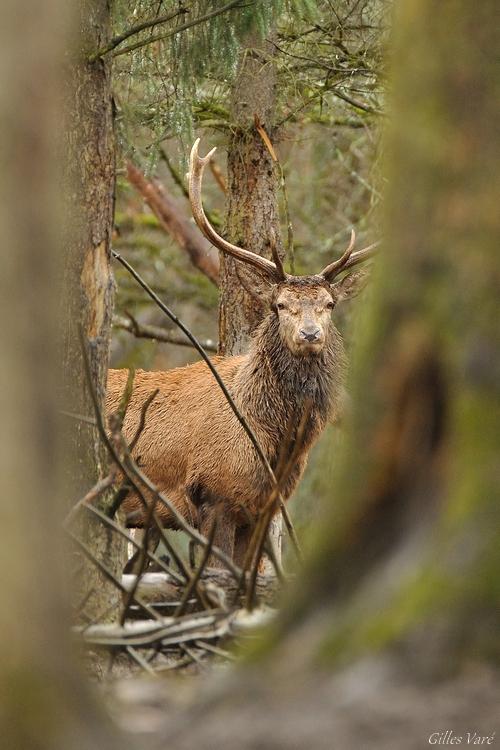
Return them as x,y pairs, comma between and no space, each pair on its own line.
330,305
280,306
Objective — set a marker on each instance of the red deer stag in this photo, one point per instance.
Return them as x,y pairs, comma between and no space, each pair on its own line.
192,446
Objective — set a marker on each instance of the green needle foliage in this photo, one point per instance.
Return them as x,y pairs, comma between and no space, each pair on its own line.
177,74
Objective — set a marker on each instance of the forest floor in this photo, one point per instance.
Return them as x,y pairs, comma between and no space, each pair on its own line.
377,703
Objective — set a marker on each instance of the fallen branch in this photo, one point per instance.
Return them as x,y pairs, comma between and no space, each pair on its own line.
173,631
217,583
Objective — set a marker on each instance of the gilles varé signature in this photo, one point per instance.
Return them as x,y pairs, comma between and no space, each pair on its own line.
469,738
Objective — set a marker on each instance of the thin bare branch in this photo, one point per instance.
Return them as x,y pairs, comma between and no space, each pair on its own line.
142,418
98,488
218,177
197,574
109,575
120,530
157,333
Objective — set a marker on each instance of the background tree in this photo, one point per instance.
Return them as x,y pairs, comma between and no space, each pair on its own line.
292,65
88,292
252,218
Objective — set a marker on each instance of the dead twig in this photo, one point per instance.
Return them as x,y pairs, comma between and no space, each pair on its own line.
142,418
143,557
289,227
219,178
99,487
154,558
133,473
197,574
109,575
156,333
295,442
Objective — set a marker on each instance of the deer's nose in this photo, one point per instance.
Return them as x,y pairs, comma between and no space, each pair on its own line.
310,333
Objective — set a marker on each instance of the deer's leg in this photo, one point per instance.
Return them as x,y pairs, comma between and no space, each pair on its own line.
242,540
225,529
136,564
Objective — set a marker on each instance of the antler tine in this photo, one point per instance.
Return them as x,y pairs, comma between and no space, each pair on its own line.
274,252
360,255
339,265
196,166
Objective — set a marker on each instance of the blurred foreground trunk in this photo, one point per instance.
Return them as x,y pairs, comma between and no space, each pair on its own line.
415,519
43,702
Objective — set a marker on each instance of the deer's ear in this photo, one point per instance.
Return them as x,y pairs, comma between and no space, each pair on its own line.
255,283
349,286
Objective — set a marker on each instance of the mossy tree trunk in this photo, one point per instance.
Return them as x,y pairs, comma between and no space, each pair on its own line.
88,285
418,479
43,702
252,202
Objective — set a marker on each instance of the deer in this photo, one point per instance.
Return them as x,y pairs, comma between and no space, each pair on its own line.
192,446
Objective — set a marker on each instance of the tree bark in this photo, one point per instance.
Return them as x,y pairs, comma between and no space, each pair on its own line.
88,285
252,204
252,197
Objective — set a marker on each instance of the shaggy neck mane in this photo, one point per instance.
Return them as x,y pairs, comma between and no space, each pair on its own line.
274,384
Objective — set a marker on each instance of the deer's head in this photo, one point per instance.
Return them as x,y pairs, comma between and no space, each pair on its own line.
303,304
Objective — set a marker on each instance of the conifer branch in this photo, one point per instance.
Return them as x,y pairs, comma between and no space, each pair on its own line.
119,38
166,35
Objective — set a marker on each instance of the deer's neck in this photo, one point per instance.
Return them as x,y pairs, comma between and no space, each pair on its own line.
274,386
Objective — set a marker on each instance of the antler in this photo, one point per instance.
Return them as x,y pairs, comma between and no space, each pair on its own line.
348,259
196,166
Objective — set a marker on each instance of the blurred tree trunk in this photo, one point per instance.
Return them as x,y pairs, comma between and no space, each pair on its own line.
418,479
43,702
88,286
